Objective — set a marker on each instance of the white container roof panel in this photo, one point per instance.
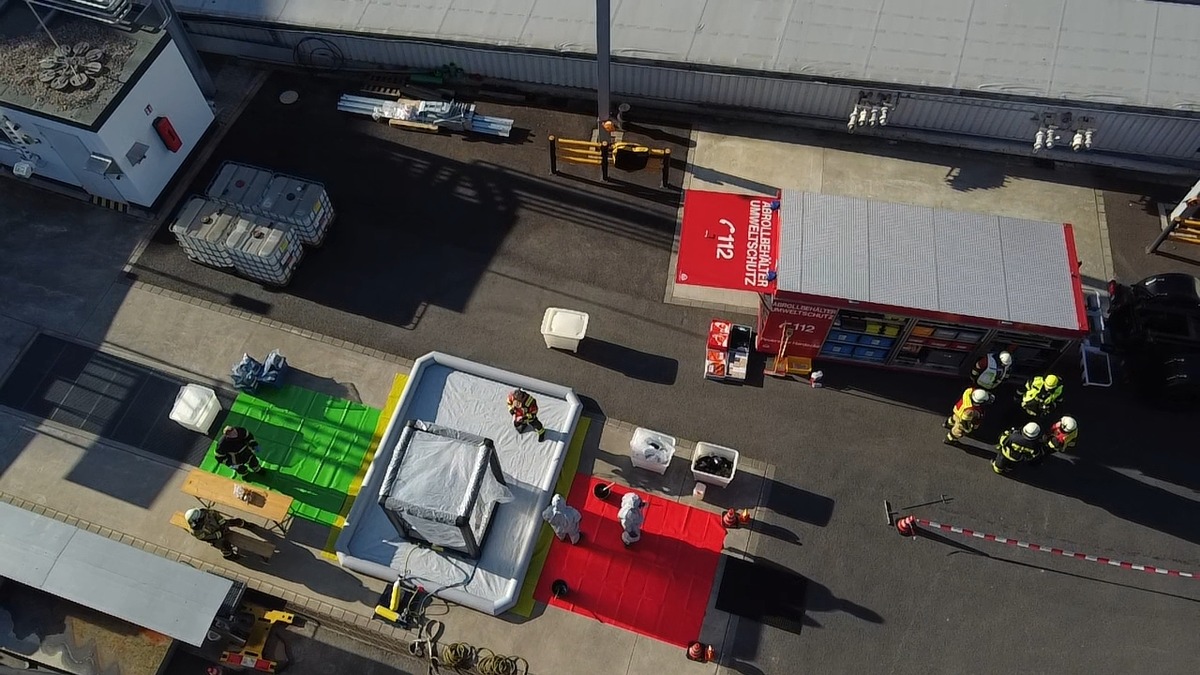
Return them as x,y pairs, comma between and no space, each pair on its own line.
1130,52
902,258
933,260
970,265
835,247
1033,277
108,576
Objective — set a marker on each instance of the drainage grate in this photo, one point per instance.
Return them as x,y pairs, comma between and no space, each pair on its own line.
105,395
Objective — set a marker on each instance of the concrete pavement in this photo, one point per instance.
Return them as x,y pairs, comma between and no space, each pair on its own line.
876,602
129,494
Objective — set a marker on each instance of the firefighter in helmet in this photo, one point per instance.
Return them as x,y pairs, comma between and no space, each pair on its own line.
1042,394
209,526
524,410
1017,446
990,371
967,413
1062,435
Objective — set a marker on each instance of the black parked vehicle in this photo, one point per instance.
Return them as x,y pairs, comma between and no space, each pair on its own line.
1154,329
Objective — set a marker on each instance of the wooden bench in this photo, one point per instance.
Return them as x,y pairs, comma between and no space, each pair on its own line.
244,542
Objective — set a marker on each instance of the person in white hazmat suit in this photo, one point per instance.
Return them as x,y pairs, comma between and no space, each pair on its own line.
631,518
563,519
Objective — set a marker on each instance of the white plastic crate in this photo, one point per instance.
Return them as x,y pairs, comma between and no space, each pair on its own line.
651,450
564,328
707,449
239,184
202,228
195,408
264,251
303,204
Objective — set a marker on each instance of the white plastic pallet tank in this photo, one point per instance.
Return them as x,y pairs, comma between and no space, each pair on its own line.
202,228
303,204
264,251
239,184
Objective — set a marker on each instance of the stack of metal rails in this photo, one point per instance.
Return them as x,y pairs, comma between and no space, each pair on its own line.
427,115
254,221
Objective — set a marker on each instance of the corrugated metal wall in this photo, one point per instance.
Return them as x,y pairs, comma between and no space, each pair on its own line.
1145,135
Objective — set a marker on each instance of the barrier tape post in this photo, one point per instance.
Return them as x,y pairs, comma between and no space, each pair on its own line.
907,526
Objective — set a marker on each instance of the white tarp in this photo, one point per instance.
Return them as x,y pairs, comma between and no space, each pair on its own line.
441,481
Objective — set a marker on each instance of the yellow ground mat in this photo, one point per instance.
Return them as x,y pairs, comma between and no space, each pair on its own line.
524,606
385,417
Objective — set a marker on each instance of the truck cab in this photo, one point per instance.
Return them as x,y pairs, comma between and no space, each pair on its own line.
1154,329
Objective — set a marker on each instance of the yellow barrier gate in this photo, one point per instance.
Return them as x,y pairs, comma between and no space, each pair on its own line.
623,155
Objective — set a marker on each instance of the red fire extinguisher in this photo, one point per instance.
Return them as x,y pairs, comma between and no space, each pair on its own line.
166,133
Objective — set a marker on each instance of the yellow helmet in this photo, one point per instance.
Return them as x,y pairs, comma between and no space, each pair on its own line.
1051,381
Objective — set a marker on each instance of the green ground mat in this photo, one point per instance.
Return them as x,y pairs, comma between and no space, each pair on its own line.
310,444
524,606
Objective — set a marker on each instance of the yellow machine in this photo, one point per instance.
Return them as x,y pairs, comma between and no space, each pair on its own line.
396,604
621,154
251,654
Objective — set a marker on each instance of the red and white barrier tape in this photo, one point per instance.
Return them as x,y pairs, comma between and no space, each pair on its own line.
910,521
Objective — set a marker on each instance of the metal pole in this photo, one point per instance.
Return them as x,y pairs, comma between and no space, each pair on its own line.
1153,248
191,57
603,48
553,156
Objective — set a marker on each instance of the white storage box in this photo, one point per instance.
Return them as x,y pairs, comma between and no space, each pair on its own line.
564,328
651,450
195,408
201,228
706,449
239,184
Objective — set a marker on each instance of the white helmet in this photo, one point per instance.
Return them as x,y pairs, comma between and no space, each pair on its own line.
979,397
1067,424
194,517
1005,359
1032,431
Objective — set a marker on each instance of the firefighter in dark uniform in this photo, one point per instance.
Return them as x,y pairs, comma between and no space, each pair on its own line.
210,526
237,450
523,408
1018,446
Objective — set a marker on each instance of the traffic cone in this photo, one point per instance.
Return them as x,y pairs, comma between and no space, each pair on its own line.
729,519
744,518
698,651
907,526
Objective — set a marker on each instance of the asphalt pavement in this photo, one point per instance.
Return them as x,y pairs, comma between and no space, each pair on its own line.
445,243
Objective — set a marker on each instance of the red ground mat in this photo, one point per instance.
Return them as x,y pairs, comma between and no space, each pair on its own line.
658,587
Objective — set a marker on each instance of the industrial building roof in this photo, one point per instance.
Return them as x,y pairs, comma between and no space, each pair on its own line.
25,45
1129,52
967,264
130,584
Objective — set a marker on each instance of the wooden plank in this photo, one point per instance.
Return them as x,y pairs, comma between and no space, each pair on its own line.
209,487
259,547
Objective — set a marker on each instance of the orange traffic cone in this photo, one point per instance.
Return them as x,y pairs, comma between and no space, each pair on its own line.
743,517
698,651
907,526
729,519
